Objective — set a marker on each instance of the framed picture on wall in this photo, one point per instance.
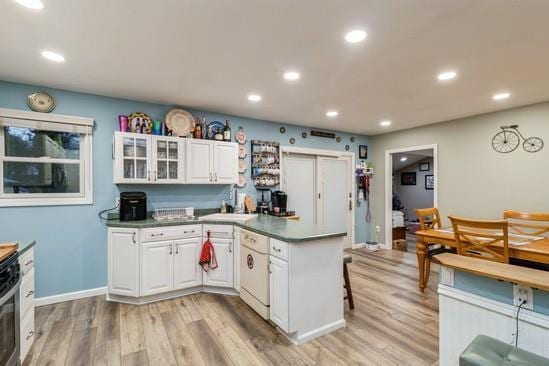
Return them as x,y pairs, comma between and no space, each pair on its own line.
362,152
408,179
429,181
424,167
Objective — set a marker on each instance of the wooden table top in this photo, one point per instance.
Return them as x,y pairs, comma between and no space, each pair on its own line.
7,249
537,251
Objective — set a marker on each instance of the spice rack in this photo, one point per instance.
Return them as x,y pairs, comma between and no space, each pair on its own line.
265,163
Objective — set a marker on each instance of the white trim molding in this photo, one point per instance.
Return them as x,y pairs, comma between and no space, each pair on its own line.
46,117
69,296
388,239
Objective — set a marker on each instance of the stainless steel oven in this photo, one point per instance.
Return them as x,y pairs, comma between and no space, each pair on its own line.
10,279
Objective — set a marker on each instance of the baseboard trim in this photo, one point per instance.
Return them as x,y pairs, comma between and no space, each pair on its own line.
298,339
69,296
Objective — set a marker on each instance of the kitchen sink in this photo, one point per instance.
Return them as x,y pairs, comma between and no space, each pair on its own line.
229,217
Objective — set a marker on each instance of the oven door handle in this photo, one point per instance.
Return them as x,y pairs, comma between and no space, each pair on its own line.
11,292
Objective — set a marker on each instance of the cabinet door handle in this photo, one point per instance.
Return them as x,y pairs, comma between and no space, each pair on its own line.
29,293
161,234
148,175
276,249
231,247
29,262
31,333
269,267
133,237
215,177
155,174
176,250
171,250
188,232
210,177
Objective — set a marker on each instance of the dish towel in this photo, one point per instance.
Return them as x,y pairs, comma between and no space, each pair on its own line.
207,256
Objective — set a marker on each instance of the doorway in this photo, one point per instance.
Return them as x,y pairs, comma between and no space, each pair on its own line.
411,181
319,184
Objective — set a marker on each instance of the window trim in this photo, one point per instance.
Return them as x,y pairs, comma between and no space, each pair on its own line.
85,197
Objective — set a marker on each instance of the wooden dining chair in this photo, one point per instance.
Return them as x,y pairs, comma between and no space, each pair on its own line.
478,238
429,218
528,223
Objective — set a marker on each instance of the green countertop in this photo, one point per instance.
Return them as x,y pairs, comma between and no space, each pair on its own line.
23,245
274,227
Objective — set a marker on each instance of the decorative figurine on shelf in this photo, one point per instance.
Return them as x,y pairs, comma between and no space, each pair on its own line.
197,133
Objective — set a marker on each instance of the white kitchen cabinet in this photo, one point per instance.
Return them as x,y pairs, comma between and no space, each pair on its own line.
187,271
167,159
26,303
123,262
200,161
132,158
156,267
212,162
223,276
279,293
225,162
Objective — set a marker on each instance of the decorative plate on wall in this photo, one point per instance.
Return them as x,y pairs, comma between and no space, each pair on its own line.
41,102
292,141
242,153
242,166
180,122
338,139
240,136
347,147
140,122
304,135
352,139
282,129
241,181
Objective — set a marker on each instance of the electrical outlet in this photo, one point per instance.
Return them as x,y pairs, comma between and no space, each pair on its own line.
521,293
378,228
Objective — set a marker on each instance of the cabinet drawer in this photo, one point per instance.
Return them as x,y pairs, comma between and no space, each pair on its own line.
279,249
257,242
27,293
26,261
27,334
170,232
218,231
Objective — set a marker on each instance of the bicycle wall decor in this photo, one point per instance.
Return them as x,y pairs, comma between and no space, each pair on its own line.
508,139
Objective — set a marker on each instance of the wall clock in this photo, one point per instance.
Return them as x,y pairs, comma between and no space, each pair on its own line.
41,102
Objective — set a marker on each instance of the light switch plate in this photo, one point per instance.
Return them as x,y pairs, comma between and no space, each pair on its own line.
521,293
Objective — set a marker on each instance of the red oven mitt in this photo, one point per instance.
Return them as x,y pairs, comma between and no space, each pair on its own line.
207,256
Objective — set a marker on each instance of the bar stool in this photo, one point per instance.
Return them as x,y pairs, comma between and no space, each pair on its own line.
347,285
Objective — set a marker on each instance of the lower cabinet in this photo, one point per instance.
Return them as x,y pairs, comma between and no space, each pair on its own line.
223,276
187,271
279,293
123,262
156,267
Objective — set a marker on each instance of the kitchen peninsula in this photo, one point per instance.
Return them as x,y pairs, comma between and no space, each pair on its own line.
289,272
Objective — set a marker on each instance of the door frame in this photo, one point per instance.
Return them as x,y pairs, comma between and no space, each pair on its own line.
326,153
389,186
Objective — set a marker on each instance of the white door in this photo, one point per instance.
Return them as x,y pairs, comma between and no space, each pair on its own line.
299,183
279,293
186,270
199,161
123,266
225,162
168,160
223,275
132,158
335,195
156,267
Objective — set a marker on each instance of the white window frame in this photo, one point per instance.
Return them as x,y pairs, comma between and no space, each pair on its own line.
54,121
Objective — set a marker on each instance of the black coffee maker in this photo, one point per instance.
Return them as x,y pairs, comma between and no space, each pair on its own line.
279,199
263,206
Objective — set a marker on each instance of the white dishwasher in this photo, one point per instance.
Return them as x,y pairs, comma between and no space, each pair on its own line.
254,271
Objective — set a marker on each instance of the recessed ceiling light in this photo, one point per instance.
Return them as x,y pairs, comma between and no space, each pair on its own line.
385,123
501,96
53,56
332,113
254,97
291,75
447,75
404,158
31,4
355,36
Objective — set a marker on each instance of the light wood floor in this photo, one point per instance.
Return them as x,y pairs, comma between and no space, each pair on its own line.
393,324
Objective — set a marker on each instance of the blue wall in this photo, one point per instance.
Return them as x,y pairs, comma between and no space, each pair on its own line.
497,290
71,251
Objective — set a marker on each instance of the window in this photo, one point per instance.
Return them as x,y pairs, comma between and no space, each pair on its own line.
44,159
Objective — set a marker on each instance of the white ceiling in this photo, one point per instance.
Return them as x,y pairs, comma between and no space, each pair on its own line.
210,54
412,157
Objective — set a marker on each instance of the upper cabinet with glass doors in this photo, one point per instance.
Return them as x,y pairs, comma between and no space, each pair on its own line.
151,159
142,158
